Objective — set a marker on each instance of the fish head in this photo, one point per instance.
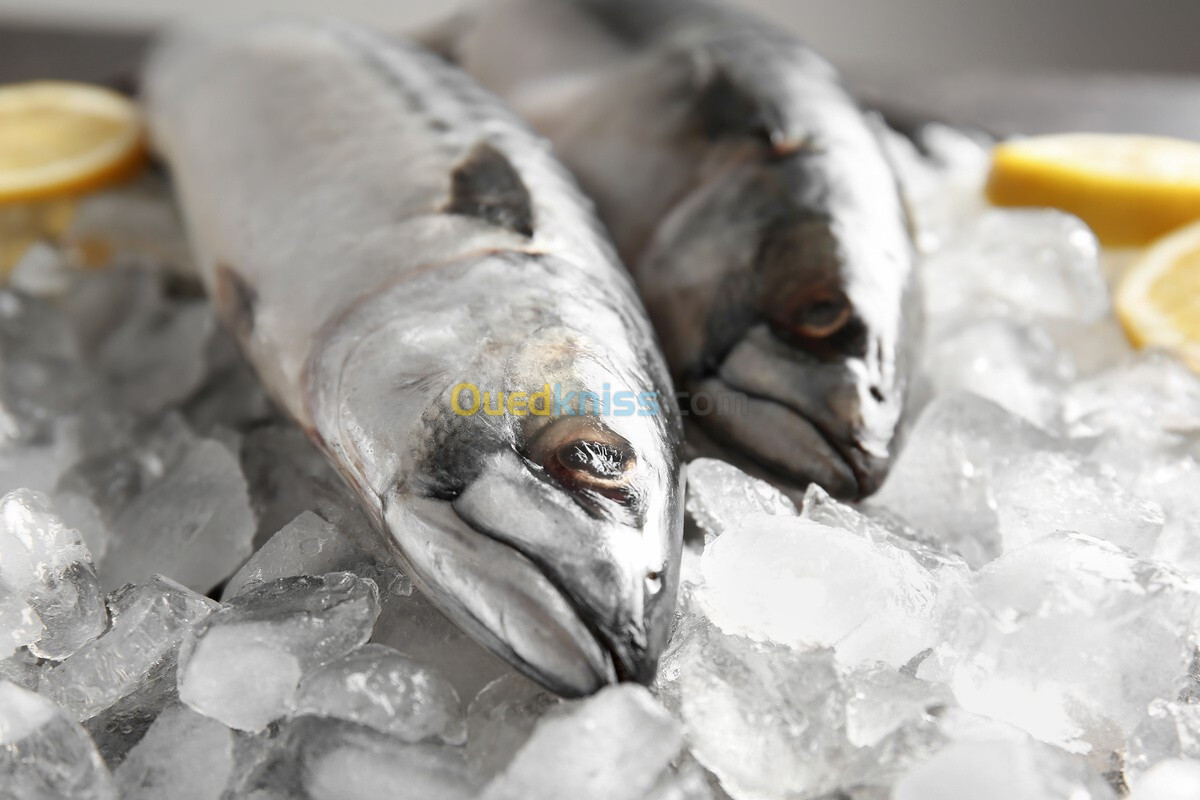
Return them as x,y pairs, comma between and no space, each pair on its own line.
541,508
784,299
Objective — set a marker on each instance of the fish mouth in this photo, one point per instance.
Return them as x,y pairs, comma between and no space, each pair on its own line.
776,440
506,601
629,663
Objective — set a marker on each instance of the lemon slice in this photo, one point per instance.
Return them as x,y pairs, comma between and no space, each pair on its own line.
1158,298
1129,189
60,139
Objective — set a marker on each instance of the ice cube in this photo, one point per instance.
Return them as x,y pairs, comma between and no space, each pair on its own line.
22,668
941,482
882,699
766,720
1019,262
984,481
231,395
1154,391
42,272
381,688
611,746
1169,730
1045,492
287,475
308,545
43,378
879,526
412,625
803,584
1042,656
45,755
149,621
159,358
122,725
685,781
184,755
274,633
1001,771
1014,365
318,758
501,718
49,593
134,223
1173,779
171,504
719,495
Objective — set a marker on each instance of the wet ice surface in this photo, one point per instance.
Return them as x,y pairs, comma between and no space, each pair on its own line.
192,604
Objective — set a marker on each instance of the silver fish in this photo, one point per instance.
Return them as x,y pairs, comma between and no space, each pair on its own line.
754,203
378,230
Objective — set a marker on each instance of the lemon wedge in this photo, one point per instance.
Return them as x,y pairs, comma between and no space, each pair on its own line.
59,139
1130,189
1158,297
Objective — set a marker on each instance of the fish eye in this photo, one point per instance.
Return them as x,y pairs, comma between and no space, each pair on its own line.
812,316
586,458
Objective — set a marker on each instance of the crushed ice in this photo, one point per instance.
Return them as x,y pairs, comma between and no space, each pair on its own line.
189,607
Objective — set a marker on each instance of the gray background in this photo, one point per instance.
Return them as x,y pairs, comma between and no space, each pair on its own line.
861,35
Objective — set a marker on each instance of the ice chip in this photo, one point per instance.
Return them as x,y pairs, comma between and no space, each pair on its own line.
287,476
411,624
1148,399
766,720
1016,263
273,633
122,725
1169,730
501,718
319,758
1001,771
1014,365
803,584
172,504
308,545
881,699
21,668
1173,779
158,359
381,688
149,621
184,756
1042,656
612,746
941,481
50,597
45,755
1047,492
43,377
720,494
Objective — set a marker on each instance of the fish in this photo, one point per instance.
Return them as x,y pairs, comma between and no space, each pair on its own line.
422,287
753,201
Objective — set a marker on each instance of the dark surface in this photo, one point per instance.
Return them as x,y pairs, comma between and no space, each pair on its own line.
33,52
999,103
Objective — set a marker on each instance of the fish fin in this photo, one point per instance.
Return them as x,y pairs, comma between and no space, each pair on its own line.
486,185
236,301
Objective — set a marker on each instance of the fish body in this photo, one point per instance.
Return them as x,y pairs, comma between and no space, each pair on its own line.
378,230
752,200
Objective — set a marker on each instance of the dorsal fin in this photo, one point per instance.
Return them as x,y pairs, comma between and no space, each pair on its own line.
486,185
